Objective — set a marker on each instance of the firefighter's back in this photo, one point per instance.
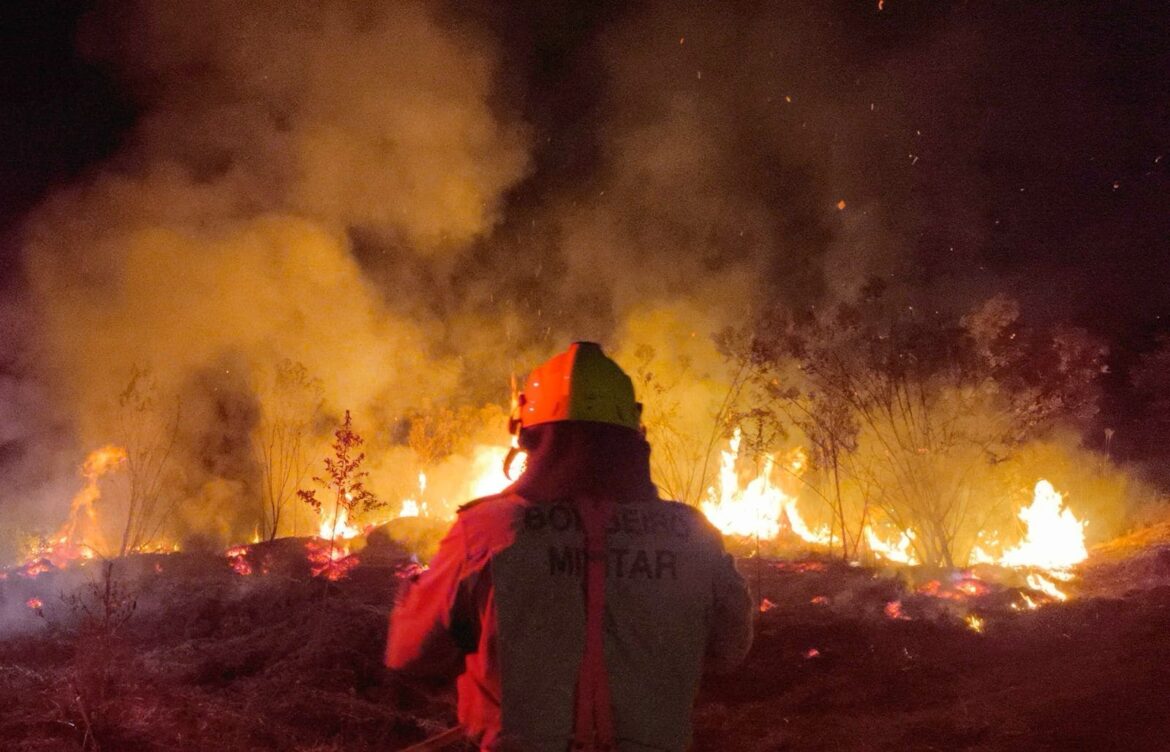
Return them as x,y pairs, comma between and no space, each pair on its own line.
672,596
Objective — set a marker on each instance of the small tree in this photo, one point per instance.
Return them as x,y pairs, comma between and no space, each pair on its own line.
291,405
345,481
148,428
683,446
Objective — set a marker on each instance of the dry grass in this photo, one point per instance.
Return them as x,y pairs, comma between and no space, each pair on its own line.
210,660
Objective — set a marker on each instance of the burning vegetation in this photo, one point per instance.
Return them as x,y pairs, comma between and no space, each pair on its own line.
893,514
259,353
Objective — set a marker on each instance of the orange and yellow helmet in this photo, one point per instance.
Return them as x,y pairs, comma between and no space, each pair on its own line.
581,383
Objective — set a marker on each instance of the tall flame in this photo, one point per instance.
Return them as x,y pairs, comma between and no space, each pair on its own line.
761,508
1055,538
80,534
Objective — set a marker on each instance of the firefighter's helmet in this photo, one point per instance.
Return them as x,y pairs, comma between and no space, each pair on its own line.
581,383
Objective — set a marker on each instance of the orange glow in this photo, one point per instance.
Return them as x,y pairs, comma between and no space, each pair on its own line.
237,557
80,533
1055,538
893,610
760,508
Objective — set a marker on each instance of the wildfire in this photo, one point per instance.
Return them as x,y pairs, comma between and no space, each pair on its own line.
237,557
761,508
487,471
762,505
1054,540
901,551
412,507
80,533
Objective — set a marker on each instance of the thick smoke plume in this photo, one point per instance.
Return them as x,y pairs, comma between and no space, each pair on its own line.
413,199
218,242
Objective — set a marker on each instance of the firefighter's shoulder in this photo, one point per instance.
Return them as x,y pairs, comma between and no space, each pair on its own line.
489,523
695,517
493,499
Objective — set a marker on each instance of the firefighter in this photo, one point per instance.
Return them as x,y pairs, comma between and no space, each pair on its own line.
577,607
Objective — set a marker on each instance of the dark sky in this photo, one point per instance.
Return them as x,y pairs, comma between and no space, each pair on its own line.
58,114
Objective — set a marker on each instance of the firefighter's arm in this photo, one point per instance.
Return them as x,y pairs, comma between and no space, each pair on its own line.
731,624
429,625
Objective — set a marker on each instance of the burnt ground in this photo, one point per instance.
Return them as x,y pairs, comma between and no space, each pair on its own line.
182,654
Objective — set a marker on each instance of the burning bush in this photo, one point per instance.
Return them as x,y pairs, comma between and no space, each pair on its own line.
910,417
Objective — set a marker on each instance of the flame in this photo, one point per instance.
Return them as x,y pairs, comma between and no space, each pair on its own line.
901,551
1055,538
237,557
83,510
975,623
893,610
77,537
761,508
1042,584
487,470
336,526
1026,603
412,507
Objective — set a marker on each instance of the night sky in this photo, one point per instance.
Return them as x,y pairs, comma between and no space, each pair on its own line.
979,147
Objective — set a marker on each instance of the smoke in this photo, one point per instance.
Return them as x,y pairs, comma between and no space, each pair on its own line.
218,242
414,199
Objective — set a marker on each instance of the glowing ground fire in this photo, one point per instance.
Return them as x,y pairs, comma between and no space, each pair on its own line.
1053,543
762,506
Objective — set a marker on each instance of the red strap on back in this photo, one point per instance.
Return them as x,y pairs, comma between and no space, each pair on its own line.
594,717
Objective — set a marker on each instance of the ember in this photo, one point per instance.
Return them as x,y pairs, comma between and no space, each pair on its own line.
237,557
961,586
330,560
893,610
800,566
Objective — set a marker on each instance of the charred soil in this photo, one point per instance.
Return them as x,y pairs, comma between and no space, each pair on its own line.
181,653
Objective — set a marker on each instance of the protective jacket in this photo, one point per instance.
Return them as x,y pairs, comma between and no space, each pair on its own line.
505,601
